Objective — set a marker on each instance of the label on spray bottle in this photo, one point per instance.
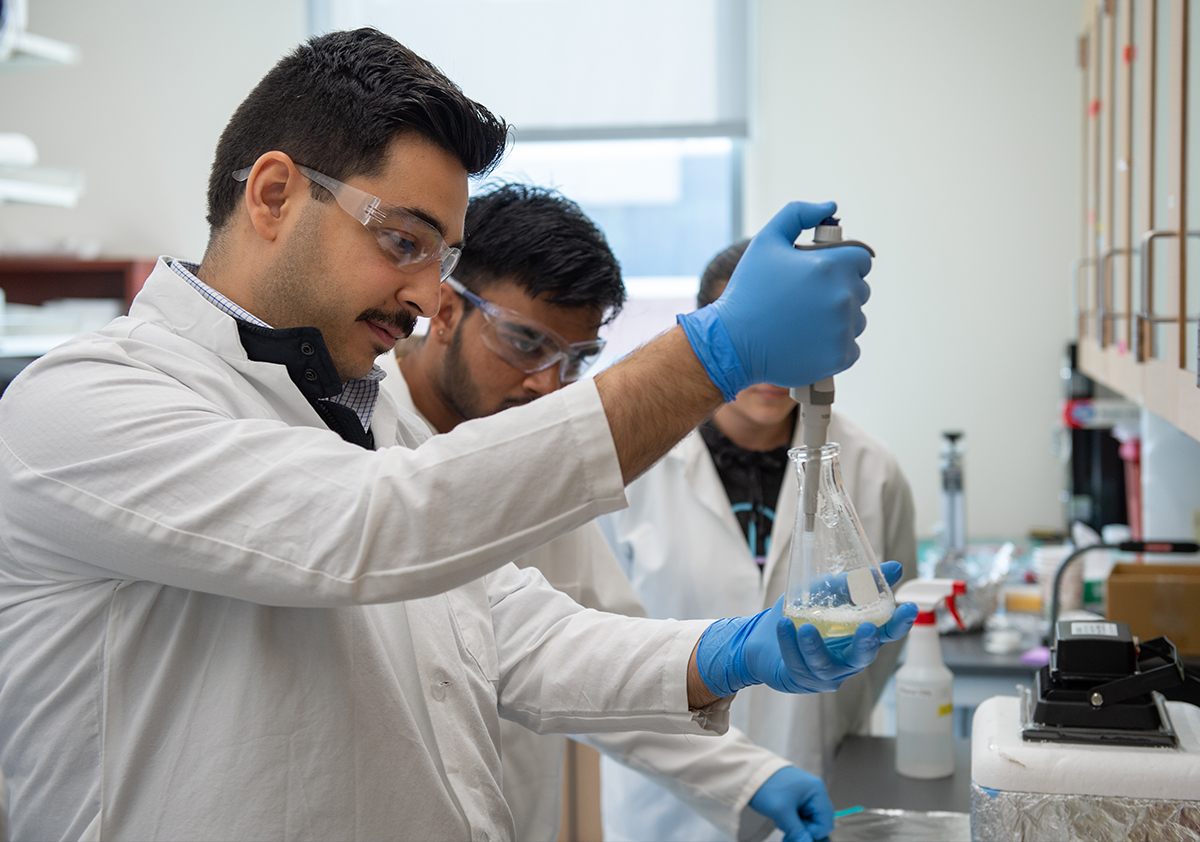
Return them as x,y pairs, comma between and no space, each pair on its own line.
928,704
925,730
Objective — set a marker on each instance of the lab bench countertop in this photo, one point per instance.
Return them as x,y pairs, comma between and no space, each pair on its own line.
864,775
964,655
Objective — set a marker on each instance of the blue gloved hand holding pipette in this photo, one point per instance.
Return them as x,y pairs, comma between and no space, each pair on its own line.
787,317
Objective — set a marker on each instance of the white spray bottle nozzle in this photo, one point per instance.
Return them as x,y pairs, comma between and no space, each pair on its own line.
927,593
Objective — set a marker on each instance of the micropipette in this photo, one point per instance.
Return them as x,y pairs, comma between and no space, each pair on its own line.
816,399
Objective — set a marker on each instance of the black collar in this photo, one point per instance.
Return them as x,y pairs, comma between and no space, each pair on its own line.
302,351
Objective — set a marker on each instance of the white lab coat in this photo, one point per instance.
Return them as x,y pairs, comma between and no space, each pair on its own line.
218,620
687,557
716,776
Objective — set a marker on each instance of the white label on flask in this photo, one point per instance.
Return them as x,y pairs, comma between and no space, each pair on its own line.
863,590
1095,629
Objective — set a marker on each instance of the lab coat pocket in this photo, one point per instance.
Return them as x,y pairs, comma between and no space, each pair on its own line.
472,615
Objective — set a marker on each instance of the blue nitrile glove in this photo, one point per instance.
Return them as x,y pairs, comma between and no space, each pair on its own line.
798,804
787,317
769,649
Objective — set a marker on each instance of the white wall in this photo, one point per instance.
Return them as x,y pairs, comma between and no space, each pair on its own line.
677,64
948,132
1170,481
141,112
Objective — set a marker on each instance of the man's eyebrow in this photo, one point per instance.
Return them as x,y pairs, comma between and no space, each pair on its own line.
424,216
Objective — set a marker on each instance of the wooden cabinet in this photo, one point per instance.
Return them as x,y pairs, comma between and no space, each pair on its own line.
1137,280
36,280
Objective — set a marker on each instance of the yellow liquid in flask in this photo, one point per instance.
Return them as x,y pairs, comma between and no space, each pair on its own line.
842,620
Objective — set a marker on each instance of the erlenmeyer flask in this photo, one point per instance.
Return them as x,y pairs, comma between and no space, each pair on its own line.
834,581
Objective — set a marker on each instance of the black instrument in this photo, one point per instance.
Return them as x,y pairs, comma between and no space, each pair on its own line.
1104,687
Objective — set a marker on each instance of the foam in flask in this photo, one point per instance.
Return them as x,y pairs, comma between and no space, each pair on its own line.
834,581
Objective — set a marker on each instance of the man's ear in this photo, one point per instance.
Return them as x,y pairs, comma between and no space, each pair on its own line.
449,315
275,190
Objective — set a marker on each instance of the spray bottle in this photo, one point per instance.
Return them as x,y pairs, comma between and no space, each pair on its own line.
925,687
816,399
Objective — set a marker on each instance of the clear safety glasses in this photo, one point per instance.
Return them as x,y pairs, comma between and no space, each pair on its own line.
526,344
410,242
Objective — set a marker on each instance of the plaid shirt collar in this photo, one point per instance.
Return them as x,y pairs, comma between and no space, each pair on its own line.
359,395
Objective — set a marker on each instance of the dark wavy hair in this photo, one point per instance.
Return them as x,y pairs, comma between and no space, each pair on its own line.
541,241
718,272
336,102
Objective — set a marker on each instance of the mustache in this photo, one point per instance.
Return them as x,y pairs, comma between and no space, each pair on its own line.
402,320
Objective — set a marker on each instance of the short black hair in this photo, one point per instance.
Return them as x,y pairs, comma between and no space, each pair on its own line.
718,272
540,240
336,102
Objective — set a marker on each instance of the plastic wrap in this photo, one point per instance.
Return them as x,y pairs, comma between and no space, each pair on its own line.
985,574
1035,817
901,826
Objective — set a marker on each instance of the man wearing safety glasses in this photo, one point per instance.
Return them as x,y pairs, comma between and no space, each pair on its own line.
243,597
526,344
525,333
538,253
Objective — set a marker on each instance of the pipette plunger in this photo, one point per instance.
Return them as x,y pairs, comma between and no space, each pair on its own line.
816,400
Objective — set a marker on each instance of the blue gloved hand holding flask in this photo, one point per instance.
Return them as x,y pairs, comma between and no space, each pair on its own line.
768,648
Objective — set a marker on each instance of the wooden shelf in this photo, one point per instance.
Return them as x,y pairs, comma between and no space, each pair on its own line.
1166,390
37,280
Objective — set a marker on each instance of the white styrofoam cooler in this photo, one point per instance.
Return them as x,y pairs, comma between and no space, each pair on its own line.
1059,791
1002,760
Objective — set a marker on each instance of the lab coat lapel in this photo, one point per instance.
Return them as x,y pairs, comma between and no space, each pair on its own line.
385,423
701,474
170,302
781,531
412,427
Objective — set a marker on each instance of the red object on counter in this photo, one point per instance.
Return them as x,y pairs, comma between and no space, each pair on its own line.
1130,452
